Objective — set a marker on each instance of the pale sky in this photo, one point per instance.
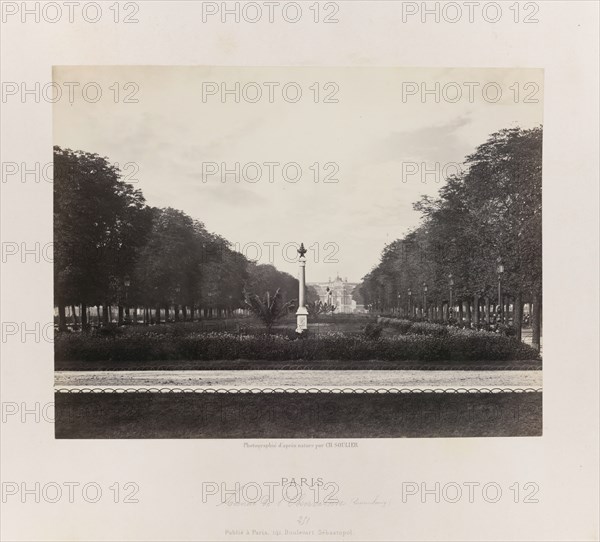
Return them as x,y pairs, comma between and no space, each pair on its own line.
171,135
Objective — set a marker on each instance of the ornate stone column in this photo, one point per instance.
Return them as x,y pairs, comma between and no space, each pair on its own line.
301,313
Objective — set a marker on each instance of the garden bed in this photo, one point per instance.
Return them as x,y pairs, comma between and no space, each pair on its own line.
452,346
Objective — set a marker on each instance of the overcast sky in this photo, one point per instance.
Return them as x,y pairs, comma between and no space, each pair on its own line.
177,129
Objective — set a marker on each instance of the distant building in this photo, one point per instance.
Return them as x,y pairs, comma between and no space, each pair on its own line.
338,292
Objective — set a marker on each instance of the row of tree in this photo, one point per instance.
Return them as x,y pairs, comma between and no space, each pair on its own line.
112,249
484,228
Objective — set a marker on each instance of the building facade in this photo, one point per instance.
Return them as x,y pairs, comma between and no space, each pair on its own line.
338,292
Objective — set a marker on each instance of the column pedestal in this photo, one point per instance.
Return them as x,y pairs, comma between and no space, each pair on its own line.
301,319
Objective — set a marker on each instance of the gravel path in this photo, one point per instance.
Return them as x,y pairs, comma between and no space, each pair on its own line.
322,379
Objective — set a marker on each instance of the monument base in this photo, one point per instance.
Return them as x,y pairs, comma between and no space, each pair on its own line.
301,319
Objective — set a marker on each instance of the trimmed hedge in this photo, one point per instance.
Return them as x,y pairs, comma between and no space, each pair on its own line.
404,325
452,345
418,328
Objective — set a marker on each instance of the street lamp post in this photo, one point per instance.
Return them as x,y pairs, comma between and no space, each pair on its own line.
127,284
425,300
176,308
451,302
500,270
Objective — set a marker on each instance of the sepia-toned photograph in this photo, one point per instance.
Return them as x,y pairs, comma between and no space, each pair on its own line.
299,271
302,252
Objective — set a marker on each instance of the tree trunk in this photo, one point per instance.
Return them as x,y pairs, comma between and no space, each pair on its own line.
120,315
184,313
73,315
84,317
167,315
157,315
536,322
62,318
176,313
468,311
518,314
460,312
487,310
105,317
476,310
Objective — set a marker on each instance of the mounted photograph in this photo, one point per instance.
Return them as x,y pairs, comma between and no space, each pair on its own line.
297,252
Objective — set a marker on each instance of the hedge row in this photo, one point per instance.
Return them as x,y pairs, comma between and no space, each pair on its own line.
454,345
410,326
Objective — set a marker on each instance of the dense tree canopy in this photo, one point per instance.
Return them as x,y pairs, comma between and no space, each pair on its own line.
488,215
113,249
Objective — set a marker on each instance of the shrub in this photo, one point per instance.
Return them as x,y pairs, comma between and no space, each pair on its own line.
304,334
403,326
426,328
109,330
454,346
372,332
509,331
420,328
269,309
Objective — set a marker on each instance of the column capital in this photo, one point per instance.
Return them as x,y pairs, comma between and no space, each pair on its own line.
302,251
